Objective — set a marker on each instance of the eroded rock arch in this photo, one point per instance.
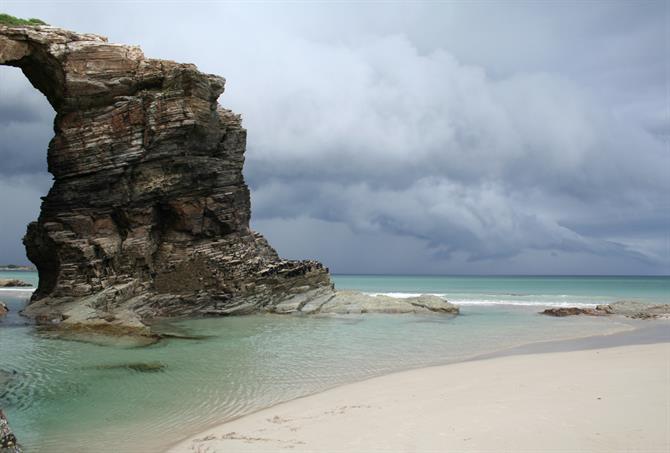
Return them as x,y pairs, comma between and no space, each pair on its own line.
149,213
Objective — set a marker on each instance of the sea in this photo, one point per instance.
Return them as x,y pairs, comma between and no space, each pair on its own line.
83,396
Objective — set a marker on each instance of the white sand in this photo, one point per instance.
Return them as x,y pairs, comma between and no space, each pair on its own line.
609,400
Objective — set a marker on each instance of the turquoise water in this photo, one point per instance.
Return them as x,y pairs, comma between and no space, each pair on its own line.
487,290
26,276
76,396
514,290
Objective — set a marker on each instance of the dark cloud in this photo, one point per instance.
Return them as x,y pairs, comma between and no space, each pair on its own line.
19,101
20,202
13,111
26,120
439,137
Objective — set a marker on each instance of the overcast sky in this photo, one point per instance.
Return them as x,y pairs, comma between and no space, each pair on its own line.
456,137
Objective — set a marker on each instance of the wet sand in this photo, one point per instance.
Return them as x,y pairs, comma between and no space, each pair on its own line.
581,396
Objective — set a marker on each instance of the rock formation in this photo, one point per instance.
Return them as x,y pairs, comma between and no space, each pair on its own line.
149,213
630,309
13,283
561,312
352,302
8,442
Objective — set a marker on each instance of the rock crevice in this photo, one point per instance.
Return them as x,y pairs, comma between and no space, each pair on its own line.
149,213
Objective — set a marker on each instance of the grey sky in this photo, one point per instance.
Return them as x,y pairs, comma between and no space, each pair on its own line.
455,137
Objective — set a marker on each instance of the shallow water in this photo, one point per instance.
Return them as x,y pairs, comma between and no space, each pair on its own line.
75,396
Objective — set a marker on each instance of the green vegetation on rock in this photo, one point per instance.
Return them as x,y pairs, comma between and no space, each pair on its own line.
6,19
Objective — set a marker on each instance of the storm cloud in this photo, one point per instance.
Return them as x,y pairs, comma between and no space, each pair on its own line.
456,137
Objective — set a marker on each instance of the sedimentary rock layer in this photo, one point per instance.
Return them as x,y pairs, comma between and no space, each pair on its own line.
630,309
13,283
149,212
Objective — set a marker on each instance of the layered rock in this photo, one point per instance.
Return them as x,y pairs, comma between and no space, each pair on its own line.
353,302
13,283
561,312
149,213
630,309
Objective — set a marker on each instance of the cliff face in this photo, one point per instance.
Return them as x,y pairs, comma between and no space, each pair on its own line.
149,213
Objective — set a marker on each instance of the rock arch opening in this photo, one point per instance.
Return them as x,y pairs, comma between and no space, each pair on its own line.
26,127
149,213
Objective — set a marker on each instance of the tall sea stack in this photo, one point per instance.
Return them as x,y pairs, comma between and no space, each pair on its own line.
149,213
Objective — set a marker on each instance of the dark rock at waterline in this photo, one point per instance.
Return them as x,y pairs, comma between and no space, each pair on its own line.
573,311
149,213
630,309
183,336
13,283
141,367
8,442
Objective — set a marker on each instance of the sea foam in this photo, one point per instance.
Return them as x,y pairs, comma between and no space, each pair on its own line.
529,300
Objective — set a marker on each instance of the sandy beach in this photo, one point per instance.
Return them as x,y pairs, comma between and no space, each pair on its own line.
608,400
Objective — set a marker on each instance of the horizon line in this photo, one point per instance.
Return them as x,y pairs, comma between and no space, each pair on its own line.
341,274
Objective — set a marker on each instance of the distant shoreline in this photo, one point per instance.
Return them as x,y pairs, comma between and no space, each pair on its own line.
344,274
14,267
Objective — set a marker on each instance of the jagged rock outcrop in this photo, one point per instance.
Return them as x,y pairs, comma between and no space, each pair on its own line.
149,213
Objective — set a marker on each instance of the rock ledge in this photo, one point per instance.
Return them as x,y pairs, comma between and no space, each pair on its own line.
630,309
13,283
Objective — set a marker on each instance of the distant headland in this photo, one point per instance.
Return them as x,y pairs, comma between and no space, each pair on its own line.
17,267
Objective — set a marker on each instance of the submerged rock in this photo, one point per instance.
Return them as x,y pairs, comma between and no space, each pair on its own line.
129,334
166,330
13,283
141,367
6,377
630,309
149,213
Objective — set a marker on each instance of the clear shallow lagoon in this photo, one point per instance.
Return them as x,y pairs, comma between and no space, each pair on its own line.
67,396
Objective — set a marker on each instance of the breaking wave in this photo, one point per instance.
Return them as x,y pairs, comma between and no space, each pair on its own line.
523,300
